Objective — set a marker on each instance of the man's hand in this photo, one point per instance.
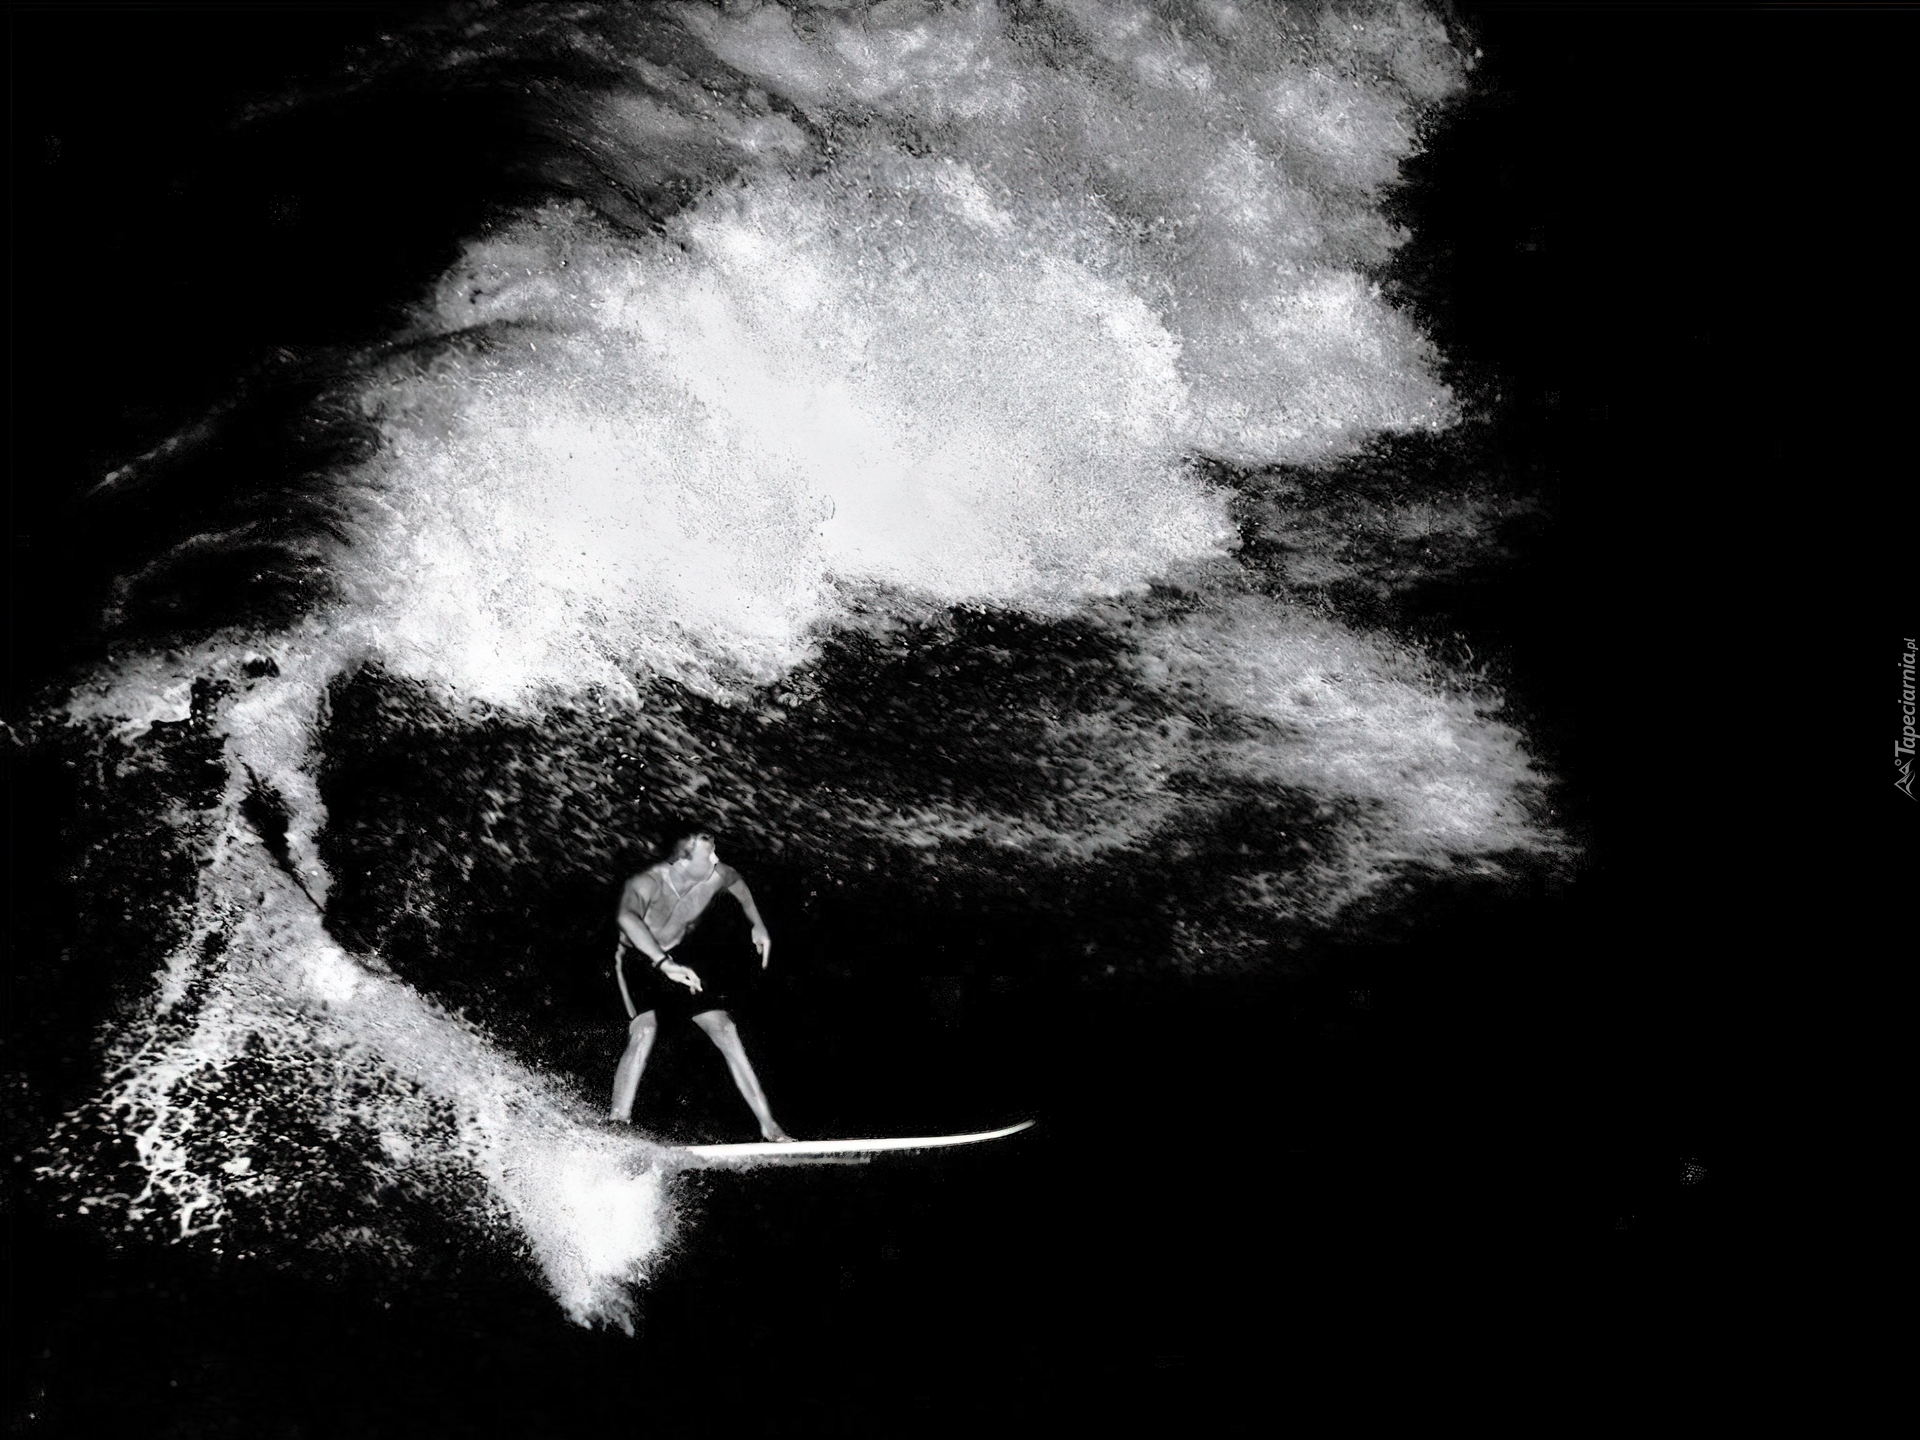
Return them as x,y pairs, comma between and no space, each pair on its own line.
763,942
681,975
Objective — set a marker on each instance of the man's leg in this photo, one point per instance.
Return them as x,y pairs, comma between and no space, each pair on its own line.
720,1029
626,1079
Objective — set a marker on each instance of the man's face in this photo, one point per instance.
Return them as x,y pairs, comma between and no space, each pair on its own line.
703,856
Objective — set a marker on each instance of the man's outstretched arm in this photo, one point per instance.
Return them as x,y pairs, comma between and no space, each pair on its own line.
762,940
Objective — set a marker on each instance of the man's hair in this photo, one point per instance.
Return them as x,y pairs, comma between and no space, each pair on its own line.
683,847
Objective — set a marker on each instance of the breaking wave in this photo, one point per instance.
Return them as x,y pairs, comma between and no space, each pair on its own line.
896,367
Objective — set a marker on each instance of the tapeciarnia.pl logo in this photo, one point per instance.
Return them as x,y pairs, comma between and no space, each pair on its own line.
1903,748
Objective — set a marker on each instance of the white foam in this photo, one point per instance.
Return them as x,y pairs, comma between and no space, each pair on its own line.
1240,151
705,446
977,371
1359,717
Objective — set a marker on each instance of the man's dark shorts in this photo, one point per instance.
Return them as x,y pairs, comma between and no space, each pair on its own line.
724,959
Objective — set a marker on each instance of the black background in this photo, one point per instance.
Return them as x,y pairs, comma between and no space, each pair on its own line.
1474,1191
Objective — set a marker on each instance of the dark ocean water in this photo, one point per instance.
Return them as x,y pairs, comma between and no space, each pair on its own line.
1302,890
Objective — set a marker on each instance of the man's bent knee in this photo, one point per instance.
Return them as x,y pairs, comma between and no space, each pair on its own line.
714,1022
642,1025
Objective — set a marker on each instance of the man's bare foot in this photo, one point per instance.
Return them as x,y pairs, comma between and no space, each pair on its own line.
777,1135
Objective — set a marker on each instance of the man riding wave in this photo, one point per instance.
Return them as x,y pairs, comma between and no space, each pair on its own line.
687,973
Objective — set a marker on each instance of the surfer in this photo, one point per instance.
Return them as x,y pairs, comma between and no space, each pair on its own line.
660,912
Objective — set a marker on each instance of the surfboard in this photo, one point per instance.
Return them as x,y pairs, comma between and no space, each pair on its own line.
804,1149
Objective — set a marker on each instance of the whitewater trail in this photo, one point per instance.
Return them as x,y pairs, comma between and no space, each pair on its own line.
260,982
